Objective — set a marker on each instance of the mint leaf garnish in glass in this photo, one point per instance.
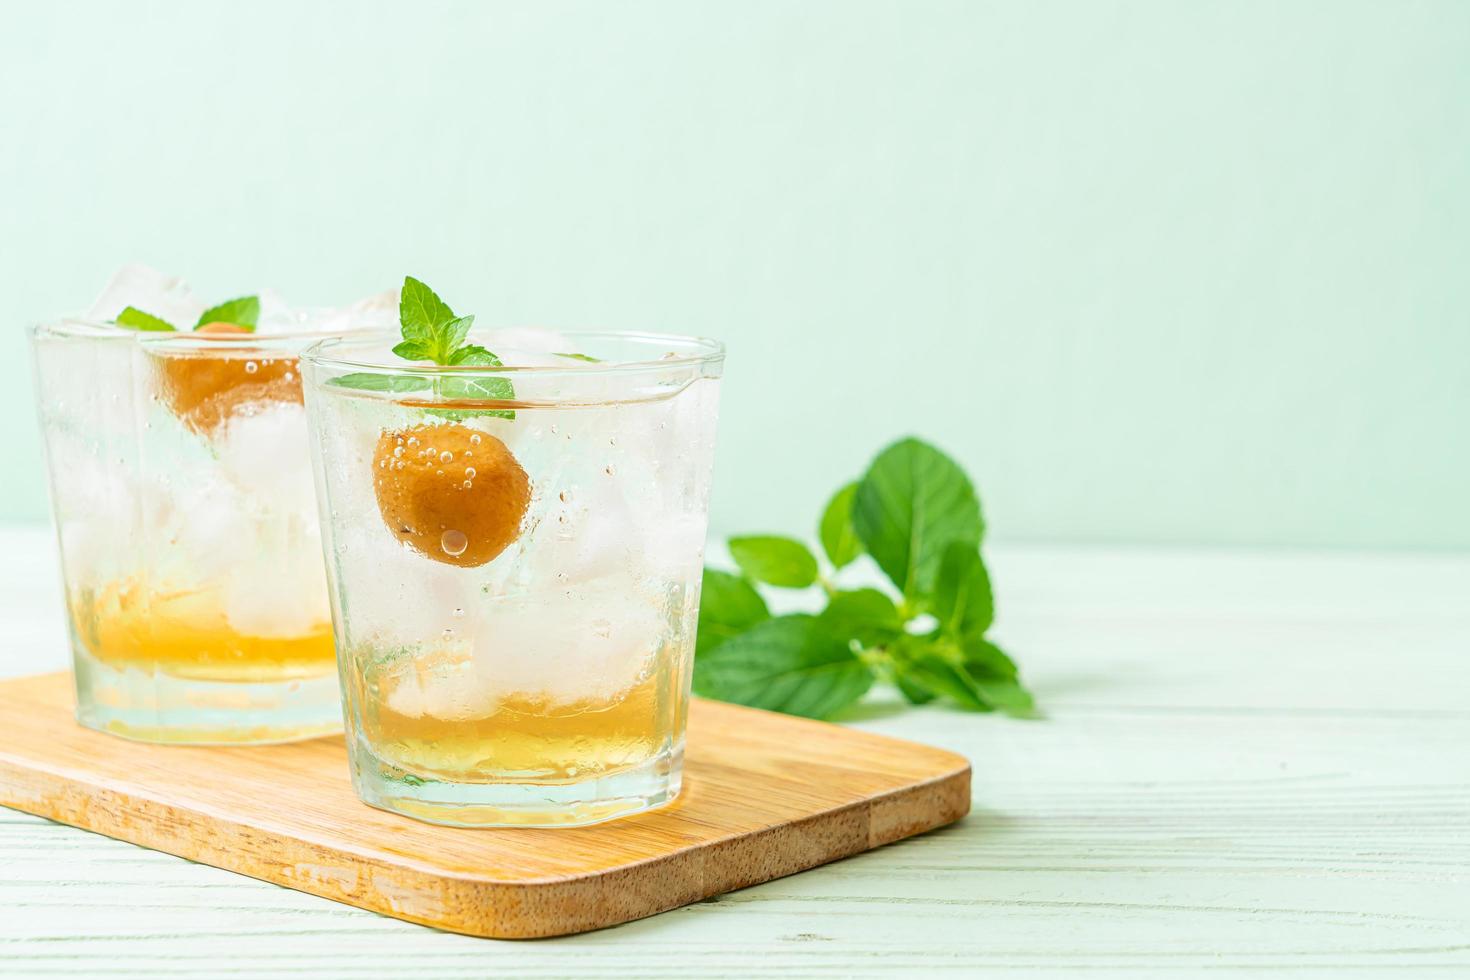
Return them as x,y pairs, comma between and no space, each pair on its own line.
432,332
136,319
242,313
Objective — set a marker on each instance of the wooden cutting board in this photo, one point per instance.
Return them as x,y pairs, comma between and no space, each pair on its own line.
764,796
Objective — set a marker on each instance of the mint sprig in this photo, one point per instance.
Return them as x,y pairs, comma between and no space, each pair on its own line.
242,312
432,332
916,515
135,319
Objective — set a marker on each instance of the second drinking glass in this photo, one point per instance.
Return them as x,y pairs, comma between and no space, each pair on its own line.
188,532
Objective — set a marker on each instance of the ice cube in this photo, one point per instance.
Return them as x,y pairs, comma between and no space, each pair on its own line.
265,452
673,547
444,687
587,643
149,290
101,512
585,532
281,591
396,597
376,312
276,316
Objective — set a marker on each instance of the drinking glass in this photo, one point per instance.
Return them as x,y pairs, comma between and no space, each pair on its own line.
514,556
182,492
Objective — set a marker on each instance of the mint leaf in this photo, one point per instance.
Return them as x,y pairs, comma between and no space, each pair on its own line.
865,615
431,332
985,658
775,560
910,505
473,354
490,386
414,350
912,692
243,312
380,382
1005,695
728,605
962,599
582,357
839,539
420,310
929,667
995,678
979,677
136,319
452,335
790,663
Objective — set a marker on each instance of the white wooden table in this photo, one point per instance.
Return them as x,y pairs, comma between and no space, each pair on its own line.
1252,763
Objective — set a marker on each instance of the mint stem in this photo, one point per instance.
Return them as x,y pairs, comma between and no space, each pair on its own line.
827,585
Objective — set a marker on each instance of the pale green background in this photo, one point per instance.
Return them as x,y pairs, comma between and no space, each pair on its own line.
1155,271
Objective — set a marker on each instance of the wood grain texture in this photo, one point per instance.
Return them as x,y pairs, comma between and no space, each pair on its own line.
1252,765
765,796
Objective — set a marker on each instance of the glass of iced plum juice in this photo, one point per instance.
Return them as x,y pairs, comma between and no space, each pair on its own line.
514,541
182,491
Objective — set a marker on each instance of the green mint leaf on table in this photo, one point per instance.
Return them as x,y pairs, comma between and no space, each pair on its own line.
995,677
1006,696
242,312
839,538
910,505
136,319
962,601
916,514
983,657
865,615
972,672
368,381
937,666
728,604
785,562
912,692
791,663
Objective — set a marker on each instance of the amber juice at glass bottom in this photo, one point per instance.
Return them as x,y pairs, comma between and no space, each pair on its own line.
190,548
522,737
516,583
187,632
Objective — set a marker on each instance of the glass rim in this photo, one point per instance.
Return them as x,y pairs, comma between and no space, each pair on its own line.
67,327
703,351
